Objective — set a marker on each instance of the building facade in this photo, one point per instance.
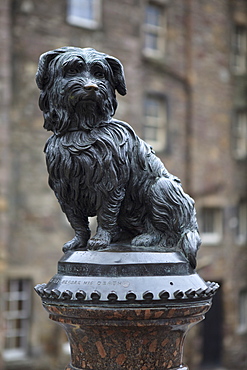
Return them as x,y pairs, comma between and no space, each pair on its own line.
186,71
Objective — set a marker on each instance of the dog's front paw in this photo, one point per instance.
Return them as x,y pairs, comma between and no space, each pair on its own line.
100,240
145,240
73,244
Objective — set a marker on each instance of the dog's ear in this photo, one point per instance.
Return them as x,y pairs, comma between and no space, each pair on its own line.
118,73
44,73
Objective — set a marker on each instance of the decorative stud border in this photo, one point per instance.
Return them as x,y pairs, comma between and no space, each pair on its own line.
131,297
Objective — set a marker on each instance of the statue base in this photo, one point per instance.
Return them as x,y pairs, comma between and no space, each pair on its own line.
127,338
126,308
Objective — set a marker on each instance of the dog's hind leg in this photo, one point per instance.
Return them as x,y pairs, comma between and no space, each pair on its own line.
150,238
80,224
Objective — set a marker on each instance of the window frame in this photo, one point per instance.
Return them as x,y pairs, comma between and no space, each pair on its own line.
241,232
152,29
215,236
159,122
239,134
239,49
17,313
80,21
242,311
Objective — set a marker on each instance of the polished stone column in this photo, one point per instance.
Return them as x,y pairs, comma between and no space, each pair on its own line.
127,338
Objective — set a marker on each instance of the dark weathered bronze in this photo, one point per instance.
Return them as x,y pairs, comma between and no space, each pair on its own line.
98,166
108,277
127,296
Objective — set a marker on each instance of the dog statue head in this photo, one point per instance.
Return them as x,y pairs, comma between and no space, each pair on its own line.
78,88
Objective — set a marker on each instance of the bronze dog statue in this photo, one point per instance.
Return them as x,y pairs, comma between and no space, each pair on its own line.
98,166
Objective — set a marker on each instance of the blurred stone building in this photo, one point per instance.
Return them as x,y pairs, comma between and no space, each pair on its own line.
186,70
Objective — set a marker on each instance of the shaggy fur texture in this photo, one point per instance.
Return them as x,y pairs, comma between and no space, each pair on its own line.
98,165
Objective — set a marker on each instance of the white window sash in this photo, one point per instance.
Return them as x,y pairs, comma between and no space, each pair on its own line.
239,50
80,21
17,307
240,135
158,31
158,121
243,312
215,235
242,223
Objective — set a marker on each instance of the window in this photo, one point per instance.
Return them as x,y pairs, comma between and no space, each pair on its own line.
211,225
240,135
17,314
239,49
154,29
242,222
243,311
155,125
84,13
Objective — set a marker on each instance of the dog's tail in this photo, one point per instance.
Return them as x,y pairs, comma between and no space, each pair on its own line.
190,242
173,214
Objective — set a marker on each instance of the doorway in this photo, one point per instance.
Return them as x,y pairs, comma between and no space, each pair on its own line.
212,332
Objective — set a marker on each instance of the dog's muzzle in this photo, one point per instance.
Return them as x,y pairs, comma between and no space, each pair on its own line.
91,87
79,92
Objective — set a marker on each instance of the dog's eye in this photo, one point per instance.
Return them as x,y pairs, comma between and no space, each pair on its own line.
72,71
99,74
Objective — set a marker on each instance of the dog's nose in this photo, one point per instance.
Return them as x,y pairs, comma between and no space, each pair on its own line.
91,87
